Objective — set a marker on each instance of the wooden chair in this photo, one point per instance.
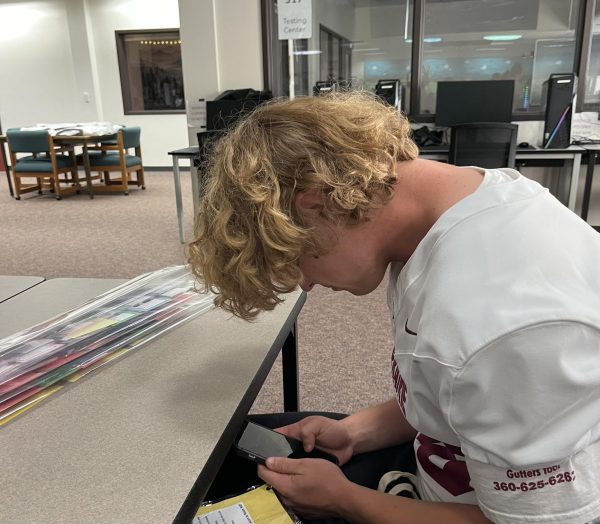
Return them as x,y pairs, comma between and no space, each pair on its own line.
46,162
114,158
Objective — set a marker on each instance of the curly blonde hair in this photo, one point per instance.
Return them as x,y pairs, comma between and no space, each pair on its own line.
249,236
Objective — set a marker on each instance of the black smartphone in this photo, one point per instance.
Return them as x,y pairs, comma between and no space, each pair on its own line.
257,443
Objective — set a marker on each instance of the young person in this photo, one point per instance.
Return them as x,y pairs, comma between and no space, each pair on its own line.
494,297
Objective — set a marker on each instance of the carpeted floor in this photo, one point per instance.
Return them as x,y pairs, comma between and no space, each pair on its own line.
344,341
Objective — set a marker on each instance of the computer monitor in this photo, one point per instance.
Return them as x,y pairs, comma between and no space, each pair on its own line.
464,102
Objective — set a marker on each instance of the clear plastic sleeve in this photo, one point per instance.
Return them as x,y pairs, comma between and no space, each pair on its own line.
39,359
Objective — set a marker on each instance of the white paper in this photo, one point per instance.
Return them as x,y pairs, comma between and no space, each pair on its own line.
237,514
585,125
197,114
294,19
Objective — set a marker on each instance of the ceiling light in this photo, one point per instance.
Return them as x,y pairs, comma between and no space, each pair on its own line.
432,39
502,38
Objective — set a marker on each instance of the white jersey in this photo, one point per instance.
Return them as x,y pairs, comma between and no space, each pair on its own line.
496,320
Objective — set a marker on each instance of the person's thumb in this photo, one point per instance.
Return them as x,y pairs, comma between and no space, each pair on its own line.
283,465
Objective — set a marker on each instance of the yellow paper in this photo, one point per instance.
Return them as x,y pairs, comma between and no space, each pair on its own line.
258,506
27,404
74,377
90,327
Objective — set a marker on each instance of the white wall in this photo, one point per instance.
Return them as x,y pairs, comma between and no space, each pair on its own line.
239,48
54,51
39,81
221,48
160,133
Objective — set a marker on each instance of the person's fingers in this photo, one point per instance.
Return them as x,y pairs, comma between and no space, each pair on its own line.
284,465
291,430
303,430
310,431
278,472
270,477
283,430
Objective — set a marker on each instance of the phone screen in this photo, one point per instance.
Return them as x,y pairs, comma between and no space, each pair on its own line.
265,442
257,443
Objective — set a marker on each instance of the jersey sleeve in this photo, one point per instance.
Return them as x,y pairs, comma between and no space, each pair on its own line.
526,408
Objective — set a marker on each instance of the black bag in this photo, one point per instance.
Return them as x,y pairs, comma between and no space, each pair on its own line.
424,137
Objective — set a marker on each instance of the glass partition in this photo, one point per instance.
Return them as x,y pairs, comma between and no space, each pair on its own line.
520,40
592,84
361,42
354,42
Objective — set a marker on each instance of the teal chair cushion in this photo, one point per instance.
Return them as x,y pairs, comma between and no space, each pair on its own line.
40,165
97,159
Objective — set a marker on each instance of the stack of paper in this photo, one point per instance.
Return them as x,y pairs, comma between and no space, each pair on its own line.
39,361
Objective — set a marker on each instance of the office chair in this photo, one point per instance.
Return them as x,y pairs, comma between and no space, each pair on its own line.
483,144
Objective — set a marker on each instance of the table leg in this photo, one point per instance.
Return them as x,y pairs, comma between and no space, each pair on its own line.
88,170
289,361
7,167
574,182
587,188
177,181
195,189
10,187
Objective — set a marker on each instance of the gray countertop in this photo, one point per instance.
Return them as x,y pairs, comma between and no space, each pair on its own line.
13,285
126,443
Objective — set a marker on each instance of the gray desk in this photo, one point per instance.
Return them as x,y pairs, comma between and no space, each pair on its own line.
529,157
11,286
187,153
142,439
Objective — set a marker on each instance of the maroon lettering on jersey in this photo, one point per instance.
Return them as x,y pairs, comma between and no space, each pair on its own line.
399,384
445,464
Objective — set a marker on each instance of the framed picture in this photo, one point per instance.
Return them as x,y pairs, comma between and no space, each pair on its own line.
150,69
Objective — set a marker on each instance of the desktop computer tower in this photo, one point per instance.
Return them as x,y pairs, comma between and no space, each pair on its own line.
392,92
559,93
323,87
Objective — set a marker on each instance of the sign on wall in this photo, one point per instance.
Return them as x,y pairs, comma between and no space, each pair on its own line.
294,19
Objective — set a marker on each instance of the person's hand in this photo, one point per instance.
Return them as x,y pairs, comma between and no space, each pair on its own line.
314,488
328,434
